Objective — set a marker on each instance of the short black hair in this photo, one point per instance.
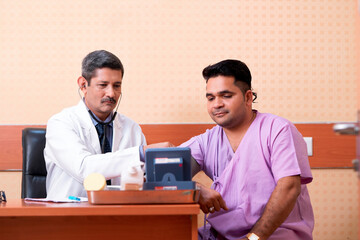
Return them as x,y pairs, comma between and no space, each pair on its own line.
231,68
97,60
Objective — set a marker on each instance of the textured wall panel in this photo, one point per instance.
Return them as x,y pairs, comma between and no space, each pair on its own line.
304,55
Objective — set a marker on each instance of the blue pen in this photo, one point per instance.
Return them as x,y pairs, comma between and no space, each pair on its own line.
74,198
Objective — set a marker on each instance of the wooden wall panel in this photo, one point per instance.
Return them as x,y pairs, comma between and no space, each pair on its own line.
329,150
10,146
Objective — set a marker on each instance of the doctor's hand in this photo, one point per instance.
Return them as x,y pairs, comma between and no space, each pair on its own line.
159,145
210,200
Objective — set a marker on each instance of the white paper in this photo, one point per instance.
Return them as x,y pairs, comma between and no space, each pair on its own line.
60,200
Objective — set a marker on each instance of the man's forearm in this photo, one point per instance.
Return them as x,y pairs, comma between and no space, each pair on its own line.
279,206
195,167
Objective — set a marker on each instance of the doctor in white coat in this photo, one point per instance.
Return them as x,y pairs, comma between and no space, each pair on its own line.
73,148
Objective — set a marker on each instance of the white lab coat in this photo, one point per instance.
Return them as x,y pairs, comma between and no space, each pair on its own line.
73,151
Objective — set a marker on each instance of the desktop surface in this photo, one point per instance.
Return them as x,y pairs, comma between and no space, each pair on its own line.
20,219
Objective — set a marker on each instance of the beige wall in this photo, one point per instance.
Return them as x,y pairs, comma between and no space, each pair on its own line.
303,55
304,58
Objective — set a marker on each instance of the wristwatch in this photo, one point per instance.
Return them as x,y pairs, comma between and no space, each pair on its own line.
252,236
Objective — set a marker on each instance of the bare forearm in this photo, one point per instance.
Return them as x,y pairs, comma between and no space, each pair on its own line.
279,206
195,167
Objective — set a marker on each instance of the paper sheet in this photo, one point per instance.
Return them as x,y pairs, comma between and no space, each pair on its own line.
60,200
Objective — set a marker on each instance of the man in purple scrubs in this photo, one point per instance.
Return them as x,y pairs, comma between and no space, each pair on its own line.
258,162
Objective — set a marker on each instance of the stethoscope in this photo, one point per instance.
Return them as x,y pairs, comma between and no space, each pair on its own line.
104,124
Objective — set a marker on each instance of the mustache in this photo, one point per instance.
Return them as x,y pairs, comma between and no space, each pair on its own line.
112,100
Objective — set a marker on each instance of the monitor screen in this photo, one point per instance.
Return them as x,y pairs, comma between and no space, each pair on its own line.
168,164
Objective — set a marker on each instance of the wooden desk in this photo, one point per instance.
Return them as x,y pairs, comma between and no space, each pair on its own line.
21,219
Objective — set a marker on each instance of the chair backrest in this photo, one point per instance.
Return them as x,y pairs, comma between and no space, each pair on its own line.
34,169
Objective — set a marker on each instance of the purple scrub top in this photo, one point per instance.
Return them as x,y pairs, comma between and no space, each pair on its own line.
272,148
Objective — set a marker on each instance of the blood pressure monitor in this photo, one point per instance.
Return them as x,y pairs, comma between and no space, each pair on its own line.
168,169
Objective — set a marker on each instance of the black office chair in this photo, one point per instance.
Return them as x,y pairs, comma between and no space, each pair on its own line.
34,169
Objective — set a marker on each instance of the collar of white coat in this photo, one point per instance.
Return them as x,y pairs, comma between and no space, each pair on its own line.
88,126
86,118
